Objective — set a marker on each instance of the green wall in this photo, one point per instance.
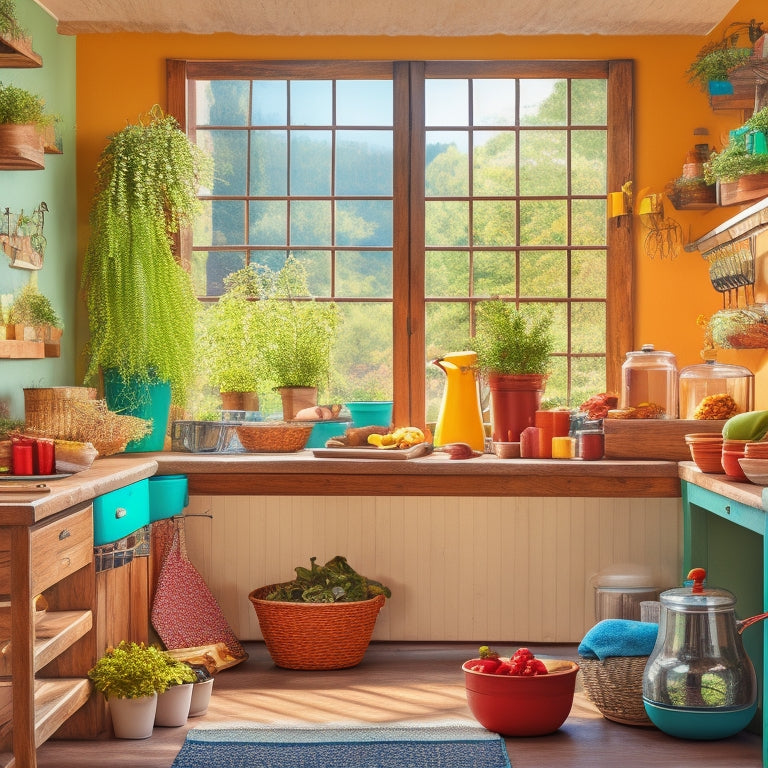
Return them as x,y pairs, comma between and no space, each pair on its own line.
55,82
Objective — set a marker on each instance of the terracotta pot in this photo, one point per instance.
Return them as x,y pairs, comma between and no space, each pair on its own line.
515,398
239,401
296,399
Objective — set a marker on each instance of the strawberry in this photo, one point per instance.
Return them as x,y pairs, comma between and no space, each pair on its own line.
505,668
488,666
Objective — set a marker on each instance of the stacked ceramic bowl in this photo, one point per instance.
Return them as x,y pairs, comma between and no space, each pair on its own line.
706,450
755,462
733,451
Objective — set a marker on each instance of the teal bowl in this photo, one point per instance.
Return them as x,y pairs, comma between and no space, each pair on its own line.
324,430
709,724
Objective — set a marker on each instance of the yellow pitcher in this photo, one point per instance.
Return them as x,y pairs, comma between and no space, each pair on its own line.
460,419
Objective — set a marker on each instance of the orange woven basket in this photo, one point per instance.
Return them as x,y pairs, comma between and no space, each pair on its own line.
315,635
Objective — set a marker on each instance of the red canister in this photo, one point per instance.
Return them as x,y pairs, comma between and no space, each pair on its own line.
591,446
22,456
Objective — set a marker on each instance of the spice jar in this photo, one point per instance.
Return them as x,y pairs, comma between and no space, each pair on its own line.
713,390
649,378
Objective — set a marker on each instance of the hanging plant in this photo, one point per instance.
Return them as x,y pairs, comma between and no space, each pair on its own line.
10,26
715,61
141,304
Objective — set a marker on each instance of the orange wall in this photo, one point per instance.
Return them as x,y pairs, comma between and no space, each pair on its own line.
120,76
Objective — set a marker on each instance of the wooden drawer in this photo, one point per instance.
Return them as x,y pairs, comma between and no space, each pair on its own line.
59,546
119,513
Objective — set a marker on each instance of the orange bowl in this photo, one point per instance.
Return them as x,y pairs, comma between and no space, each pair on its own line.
522,706
731,465
706,450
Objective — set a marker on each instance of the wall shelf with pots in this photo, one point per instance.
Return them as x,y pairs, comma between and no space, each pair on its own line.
750,88
18,54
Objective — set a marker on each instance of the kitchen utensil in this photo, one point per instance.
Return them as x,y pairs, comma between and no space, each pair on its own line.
699,682
732,266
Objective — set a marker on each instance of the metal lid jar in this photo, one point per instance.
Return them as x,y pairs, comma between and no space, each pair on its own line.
649,378
713,390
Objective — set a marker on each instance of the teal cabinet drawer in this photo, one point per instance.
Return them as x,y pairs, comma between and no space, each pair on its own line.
119,513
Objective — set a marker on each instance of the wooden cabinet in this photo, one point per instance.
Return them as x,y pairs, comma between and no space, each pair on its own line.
44,663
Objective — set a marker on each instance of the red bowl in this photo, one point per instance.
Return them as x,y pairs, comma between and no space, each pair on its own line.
522,706
731,466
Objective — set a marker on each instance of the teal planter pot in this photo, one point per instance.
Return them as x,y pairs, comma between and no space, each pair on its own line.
720,88
145,399
369,413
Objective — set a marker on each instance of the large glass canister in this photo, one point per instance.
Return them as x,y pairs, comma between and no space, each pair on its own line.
649,378
713,390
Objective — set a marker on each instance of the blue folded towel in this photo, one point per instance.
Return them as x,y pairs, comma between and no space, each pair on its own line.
619,637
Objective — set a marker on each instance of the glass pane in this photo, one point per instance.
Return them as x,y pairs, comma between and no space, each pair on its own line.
228,148
267,222
494,222
273,259
556,391
493,273
493,102
494,163
559,312
543,163
227,222
447,273
589,102
543,222
269,163
270,102
310,222
311,102
446,222
222,102
209,273
588,222
202,232
363,353
543,102
364,222
544,273
588,162
587,378
587,326
364,274
446,102
447,330
364,102
588,274
310,163
364,162
447,172
318,266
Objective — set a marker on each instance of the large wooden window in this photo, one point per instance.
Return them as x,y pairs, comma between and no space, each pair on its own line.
413,190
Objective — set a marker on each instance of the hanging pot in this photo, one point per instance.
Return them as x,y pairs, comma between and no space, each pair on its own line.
699,682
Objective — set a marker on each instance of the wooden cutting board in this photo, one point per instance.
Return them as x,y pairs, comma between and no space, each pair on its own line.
662,439
365,452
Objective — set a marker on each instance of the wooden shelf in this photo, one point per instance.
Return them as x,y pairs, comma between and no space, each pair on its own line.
744,224
18,54
748,83
17,350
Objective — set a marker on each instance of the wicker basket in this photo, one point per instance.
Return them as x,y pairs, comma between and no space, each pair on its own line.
48,411
315,635
615,686
273,436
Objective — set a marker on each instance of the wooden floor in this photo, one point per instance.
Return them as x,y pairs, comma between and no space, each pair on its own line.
406,682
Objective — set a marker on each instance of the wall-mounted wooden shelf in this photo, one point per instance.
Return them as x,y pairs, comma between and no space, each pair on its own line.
18,350
18,54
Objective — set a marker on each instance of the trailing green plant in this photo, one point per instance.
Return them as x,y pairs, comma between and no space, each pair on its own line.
299,331
19,106
10,26
714,62
30,307
335,582
733,162
758,121
131,670
510,340
230,333
141,304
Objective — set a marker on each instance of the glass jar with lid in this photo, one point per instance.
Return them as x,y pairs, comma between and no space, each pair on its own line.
713,390
649,378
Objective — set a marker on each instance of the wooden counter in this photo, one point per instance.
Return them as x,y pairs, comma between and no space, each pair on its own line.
302,474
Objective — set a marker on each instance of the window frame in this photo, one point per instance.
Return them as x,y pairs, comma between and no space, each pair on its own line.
408,305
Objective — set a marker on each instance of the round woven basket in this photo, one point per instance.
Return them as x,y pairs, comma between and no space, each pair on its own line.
315,635
615,686
273,437
48,411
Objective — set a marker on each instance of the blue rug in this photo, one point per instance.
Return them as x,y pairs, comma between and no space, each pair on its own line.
343,746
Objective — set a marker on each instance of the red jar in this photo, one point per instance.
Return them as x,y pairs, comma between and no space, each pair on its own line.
591,446
22,456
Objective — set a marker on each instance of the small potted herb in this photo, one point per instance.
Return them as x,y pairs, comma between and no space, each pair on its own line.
33,316
23,123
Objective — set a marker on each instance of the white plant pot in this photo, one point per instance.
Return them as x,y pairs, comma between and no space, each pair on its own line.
173,705
201,695
133,718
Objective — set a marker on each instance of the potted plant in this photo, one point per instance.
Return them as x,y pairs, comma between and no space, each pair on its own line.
323,619
23,122
299,334
175,698
229,341
141,304
713,63
130,675
513,349
33,317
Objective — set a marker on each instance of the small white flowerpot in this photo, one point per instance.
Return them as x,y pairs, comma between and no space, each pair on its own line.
201,695
173,705
133,718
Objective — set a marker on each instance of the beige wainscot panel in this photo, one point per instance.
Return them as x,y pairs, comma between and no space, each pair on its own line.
464,569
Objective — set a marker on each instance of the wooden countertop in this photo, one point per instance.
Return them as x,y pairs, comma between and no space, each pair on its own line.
303,474
103,476
745,493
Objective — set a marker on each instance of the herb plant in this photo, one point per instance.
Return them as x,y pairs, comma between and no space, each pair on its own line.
715,61
334,582
9,24
31,307
733,162
141,304
510,340
21,107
